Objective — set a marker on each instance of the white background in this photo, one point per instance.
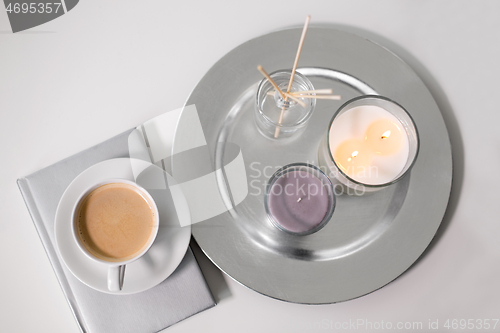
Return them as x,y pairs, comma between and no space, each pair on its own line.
107,66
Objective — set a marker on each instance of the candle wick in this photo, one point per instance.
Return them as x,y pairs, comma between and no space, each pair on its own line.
300,199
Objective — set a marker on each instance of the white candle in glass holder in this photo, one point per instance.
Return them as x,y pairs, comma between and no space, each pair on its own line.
369,144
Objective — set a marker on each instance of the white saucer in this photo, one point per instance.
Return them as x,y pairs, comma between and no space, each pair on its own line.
156,265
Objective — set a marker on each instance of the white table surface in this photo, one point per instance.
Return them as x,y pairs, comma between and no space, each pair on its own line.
109,65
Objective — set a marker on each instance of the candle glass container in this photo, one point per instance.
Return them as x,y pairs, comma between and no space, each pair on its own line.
269,105
346,183
299,199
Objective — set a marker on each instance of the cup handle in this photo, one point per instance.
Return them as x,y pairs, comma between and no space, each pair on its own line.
116,275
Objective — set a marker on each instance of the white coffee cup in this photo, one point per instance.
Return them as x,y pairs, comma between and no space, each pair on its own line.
116,269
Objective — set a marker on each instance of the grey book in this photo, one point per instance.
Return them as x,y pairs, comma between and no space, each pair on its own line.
181,295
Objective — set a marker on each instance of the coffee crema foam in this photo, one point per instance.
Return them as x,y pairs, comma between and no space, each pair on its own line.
115,222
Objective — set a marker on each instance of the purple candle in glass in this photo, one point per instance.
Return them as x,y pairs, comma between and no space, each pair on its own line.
299,199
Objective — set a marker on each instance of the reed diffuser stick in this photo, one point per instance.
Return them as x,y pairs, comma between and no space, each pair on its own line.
299,50
317,92
271,81
332,97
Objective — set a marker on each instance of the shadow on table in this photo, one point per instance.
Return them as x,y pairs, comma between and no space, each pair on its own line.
213,275
448,116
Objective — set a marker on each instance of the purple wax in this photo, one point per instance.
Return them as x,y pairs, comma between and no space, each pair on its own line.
298,201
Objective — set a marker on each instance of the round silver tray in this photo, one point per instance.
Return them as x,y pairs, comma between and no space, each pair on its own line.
371,239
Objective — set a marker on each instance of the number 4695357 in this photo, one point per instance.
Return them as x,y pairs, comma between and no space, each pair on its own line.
471,324
33,7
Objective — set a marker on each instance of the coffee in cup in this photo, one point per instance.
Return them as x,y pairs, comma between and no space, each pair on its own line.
115,223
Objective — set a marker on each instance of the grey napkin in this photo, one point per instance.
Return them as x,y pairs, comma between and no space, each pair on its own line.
181,295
